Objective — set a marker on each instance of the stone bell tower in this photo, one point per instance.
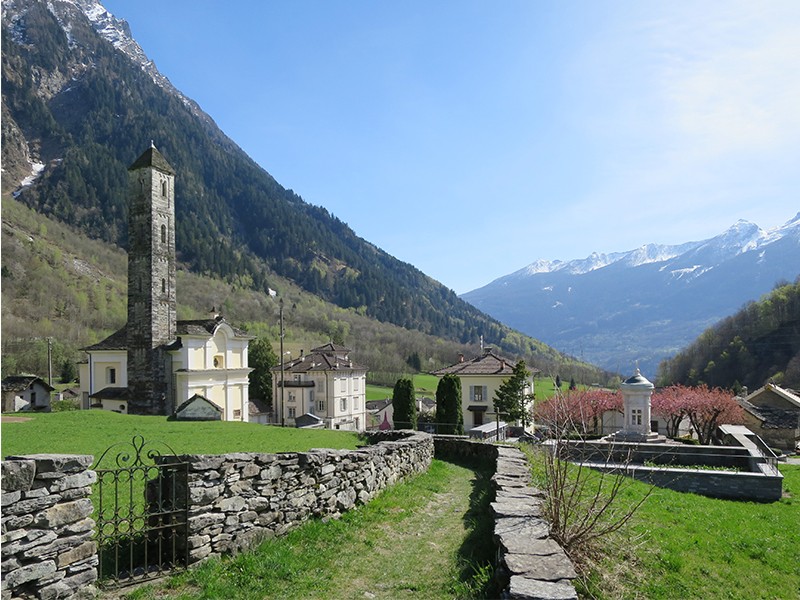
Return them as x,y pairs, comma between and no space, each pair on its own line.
151,281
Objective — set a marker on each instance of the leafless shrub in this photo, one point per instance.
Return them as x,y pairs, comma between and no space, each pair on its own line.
587,504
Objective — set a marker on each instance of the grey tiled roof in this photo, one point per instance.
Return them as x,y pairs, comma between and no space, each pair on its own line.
329,357
771,417
18,383
487,364
116,341
203,327
111,393
152,158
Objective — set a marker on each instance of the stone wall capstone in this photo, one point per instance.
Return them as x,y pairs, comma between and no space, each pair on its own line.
530,564
47,529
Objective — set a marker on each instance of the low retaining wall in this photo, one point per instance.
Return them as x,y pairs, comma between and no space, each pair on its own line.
757,479
529,563
237,500
47,547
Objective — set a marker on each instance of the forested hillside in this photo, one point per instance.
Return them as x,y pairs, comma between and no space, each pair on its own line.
85,111
77,112
759,343
61,285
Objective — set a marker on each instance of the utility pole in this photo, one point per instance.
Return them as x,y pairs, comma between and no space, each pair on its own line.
50,362
280,313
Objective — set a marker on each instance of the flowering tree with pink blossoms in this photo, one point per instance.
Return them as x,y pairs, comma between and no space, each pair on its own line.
579,410
706,408
672,405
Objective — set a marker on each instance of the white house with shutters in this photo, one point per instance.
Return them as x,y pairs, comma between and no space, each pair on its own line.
480,379
325,383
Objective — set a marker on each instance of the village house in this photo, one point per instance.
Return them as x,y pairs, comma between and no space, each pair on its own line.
156,363
480,378
773,413
325,383
25,393
381,412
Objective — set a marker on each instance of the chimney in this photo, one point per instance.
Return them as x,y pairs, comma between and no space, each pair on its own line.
301,352
460,357
487,351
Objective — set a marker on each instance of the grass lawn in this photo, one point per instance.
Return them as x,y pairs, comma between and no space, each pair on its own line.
426,537
699,547
92,431
687,546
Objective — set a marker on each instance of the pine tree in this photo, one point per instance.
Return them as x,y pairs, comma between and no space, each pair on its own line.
448,405
511,399
405,406
261,359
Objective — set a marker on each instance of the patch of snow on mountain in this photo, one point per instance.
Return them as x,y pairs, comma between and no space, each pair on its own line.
690,272
541,266
36,171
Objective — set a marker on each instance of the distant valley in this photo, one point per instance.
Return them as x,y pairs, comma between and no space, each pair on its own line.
645,304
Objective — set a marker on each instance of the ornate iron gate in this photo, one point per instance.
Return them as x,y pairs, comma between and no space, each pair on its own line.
141,509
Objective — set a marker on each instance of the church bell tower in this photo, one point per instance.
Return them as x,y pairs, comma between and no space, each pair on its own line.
151,282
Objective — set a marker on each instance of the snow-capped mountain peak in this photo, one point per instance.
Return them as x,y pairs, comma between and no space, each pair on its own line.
645,303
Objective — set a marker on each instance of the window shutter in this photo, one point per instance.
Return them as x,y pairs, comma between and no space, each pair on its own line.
485,396
472,393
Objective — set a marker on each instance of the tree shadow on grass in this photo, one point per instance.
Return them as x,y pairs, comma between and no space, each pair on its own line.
477,553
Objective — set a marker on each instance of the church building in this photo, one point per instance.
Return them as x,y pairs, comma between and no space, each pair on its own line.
156,363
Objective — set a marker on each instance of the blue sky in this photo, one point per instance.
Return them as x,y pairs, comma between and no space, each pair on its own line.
473,138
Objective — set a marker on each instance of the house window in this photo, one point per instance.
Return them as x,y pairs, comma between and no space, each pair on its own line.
163,234
636,416
163,286
237,414
291,397
292,412
355,384
111,375
477,393
163,188
343,404
343,386
219,361
321,406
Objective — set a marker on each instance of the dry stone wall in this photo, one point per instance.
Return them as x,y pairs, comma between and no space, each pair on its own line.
47,547
236,500
530,564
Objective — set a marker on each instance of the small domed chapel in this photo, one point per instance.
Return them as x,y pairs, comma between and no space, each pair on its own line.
156,363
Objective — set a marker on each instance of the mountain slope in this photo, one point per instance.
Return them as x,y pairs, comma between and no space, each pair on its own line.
77,109
80,101
760,343
644,304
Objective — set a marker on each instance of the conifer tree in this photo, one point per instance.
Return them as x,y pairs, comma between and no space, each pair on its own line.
261,358
511,399
405,406
448,405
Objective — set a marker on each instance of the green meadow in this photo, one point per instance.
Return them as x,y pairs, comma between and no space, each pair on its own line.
92,431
